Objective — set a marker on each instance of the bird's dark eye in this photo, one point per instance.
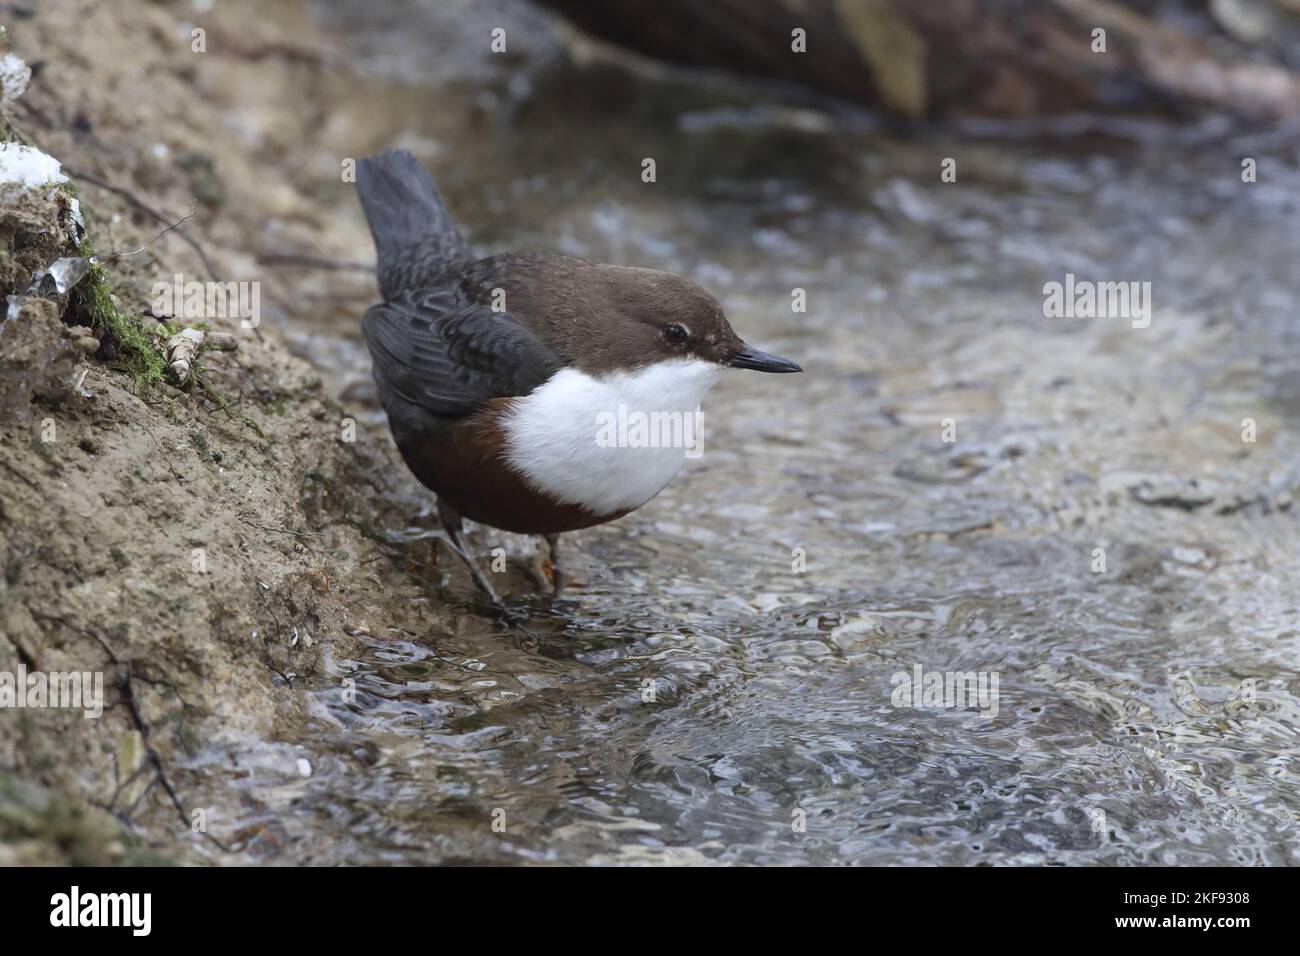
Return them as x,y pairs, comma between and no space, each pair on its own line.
676,334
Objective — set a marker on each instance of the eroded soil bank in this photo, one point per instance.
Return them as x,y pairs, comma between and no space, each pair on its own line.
206,549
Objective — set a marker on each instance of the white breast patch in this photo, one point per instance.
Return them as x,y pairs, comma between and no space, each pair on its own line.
559,436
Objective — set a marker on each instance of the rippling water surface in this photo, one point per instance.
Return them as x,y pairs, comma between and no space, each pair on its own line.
1145,714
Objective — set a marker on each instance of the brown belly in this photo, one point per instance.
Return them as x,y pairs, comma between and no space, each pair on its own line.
462,461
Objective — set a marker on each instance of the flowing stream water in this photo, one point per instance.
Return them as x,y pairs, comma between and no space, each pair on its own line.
829,538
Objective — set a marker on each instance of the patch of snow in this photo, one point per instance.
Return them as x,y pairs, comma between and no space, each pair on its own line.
27,167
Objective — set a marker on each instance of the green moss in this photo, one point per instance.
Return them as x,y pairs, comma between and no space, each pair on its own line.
134,348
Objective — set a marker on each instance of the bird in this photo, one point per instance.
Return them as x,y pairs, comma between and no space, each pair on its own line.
497,374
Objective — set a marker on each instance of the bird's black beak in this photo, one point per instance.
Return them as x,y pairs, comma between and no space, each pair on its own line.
762,362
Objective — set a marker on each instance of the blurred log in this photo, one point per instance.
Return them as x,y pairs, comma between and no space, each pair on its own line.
922,58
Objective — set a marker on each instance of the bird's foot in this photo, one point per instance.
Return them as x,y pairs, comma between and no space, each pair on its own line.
539,569
454,534
476,573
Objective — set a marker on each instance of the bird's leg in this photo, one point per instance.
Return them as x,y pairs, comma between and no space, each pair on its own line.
451,524
558,577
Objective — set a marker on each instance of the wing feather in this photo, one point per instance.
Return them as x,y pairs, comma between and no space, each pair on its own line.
449,356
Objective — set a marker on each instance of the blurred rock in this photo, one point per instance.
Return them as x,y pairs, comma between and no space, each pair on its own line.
36,360
966,58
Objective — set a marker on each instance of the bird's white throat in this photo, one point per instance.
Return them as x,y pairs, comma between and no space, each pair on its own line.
558,437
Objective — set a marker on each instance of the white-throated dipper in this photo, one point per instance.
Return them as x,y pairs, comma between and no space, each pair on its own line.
495,373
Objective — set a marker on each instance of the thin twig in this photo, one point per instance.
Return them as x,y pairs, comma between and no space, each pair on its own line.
144,207
166,457
312,262
296,534
108,257
137,717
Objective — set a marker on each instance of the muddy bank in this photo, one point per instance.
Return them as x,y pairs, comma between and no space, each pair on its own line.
206,549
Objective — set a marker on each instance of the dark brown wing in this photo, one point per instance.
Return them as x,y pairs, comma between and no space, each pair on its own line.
448,356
